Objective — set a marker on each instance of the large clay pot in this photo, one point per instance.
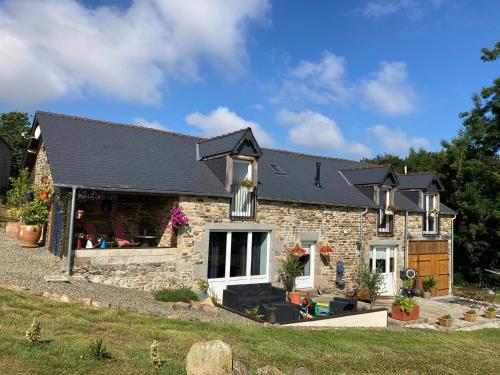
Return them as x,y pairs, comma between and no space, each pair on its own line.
398,314
12,229
445,322
29,235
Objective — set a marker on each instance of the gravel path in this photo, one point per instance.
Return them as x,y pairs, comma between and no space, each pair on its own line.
26,268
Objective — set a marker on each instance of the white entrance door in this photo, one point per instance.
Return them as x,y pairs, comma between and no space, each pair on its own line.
306,281
383,258
237,258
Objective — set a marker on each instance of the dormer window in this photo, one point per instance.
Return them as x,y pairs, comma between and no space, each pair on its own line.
243,192
385,221
431,215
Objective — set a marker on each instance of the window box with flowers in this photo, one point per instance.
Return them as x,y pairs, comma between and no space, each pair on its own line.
324,253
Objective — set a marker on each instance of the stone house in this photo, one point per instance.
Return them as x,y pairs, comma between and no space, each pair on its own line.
247,207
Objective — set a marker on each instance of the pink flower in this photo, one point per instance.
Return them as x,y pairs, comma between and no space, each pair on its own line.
178,218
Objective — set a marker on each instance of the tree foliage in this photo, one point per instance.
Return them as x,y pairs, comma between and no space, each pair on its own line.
14,126
469,168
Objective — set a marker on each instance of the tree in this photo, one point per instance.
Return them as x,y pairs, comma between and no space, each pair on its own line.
14,128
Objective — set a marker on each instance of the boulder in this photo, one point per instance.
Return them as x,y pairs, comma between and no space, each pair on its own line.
301,371
87,301
270,370
210,358
240,368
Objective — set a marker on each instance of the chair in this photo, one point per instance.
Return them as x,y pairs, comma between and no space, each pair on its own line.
91,232
121,237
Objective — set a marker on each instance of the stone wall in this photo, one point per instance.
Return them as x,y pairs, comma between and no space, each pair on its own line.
41,169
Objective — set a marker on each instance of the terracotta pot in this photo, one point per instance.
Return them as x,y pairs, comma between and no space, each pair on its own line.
43,195
470,317
29,235
490,314
12,229
445,322
399,314
363,295
427,295
295,297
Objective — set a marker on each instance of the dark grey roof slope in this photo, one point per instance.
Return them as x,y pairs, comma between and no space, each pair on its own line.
445,210
418,181
371,175
89,153
229,143
404,204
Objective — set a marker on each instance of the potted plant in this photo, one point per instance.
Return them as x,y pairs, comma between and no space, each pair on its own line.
445,320
43,189
246,183
428,283
434,212
405,308
21,186
324,254
203,289
407,288
490,312
34,216
390,210
371,283
470,315
293,267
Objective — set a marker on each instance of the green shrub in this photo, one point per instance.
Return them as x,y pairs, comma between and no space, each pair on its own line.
34,332
154,356
491,309
429,282
372,282
254,312
471,312
405,303
408,284
97,350
446,317
176,295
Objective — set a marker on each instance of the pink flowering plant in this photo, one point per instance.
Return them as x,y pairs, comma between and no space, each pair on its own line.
178,218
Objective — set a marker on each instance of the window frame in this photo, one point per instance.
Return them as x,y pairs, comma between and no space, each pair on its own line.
427,214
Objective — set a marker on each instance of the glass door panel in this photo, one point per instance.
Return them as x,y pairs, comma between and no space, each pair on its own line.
238,254
259,254
217,255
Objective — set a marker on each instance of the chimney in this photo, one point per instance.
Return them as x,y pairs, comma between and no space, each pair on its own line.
317,180
406,169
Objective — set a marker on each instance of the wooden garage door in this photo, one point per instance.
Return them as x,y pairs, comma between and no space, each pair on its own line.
431,258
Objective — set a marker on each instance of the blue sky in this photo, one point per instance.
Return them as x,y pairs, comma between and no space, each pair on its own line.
340,78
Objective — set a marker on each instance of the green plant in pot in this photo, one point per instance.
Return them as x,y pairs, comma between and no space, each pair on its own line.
21,186
490,312
34,215
407,287
203,289
428,283
371,282
405,308
445,320
292,267
470,315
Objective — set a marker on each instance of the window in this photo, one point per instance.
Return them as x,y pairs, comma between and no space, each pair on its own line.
276,169
242,170
241,255
243,195
431,215
385,222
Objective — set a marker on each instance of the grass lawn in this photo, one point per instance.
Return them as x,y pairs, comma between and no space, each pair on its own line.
67,330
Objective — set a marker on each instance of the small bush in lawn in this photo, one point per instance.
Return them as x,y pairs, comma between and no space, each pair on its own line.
97,350
154,357
176,295
34,332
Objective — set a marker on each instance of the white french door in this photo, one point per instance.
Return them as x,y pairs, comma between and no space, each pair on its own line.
237,258
306,281
383,258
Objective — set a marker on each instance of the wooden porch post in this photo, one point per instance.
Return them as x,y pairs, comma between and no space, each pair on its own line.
71,225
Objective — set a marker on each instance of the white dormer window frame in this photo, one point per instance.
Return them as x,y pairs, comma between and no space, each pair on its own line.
431,215
385,220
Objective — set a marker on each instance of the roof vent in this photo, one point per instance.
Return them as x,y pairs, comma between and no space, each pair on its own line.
317,180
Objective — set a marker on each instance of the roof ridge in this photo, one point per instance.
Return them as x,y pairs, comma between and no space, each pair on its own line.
415,173
310,155
361,168
118,124
224,135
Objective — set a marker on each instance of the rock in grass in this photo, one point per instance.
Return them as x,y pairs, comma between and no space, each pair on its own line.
240,368
270,370
210,358
301,371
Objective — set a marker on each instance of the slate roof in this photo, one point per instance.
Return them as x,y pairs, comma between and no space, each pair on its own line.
103,155
404,204
223,144
369,175
417,180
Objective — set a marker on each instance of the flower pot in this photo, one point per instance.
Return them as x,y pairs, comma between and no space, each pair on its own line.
79,214
490,314
427,294
29,235
43,195
399,314
294,297
445,322
363,294
470,317
12,229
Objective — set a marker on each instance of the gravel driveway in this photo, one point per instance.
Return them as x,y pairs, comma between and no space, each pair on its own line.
26,268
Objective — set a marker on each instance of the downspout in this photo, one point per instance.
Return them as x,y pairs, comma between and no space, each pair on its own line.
71,229
360,241
452,249
405,253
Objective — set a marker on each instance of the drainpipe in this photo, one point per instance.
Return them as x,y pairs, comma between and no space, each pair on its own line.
360,242
452,249
406,241
71,229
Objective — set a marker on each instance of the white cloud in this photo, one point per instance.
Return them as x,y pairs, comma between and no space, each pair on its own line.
394,140
314,130
57,48
390,91
222,120
149,124
411,8
321,82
